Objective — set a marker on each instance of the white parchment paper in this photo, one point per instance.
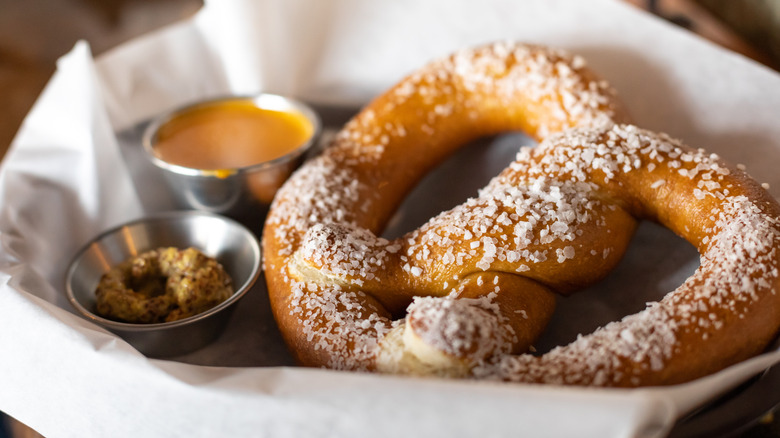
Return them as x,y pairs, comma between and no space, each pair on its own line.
74,170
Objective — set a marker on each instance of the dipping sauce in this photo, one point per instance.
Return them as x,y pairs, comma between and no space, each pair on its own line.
162,285
230,134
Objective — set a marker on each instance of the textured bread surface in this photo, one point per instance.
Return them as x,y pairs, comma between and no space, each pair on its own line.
468,293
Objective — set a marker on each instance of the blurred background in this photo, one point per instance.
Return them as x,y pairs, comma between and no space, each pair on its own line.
35,33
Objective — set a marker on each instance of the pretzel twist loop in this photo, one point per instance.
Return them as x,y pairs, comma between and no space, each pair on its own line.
468,293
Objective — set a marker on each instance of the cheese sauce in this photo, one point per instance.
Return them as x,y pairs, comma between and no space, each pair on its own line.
230,135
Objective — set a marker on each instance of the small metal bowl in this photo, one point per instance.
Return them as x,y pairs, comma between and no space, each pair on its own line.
236,192
232,244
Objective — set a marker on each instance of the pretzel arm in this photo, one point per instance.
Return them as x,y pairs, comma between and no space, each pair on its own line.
339,328
726,215
489,314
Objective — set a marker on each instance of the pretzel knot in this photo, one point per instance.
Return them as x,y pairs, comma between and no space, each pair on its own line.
469,292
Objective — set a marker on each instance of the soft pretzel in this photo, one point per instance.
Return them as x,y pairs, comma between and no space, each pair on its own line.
469,292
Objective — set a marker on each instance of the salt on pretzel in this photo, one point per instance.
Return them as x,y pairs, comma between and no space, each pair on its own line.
468,292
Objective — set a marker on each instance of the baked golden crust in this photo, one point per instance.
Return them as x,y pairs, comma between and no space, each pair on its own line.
475,286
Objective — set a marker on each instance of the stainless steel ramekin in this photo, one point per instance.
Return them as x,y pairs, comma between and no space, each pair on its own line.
232,244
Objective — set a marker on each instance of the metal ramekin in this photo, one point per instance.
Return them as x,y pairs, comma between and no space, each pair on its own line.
232,244
232,192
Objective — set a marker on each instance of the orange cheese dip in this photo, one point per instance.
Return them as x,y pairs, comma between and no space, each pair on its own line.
229,135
